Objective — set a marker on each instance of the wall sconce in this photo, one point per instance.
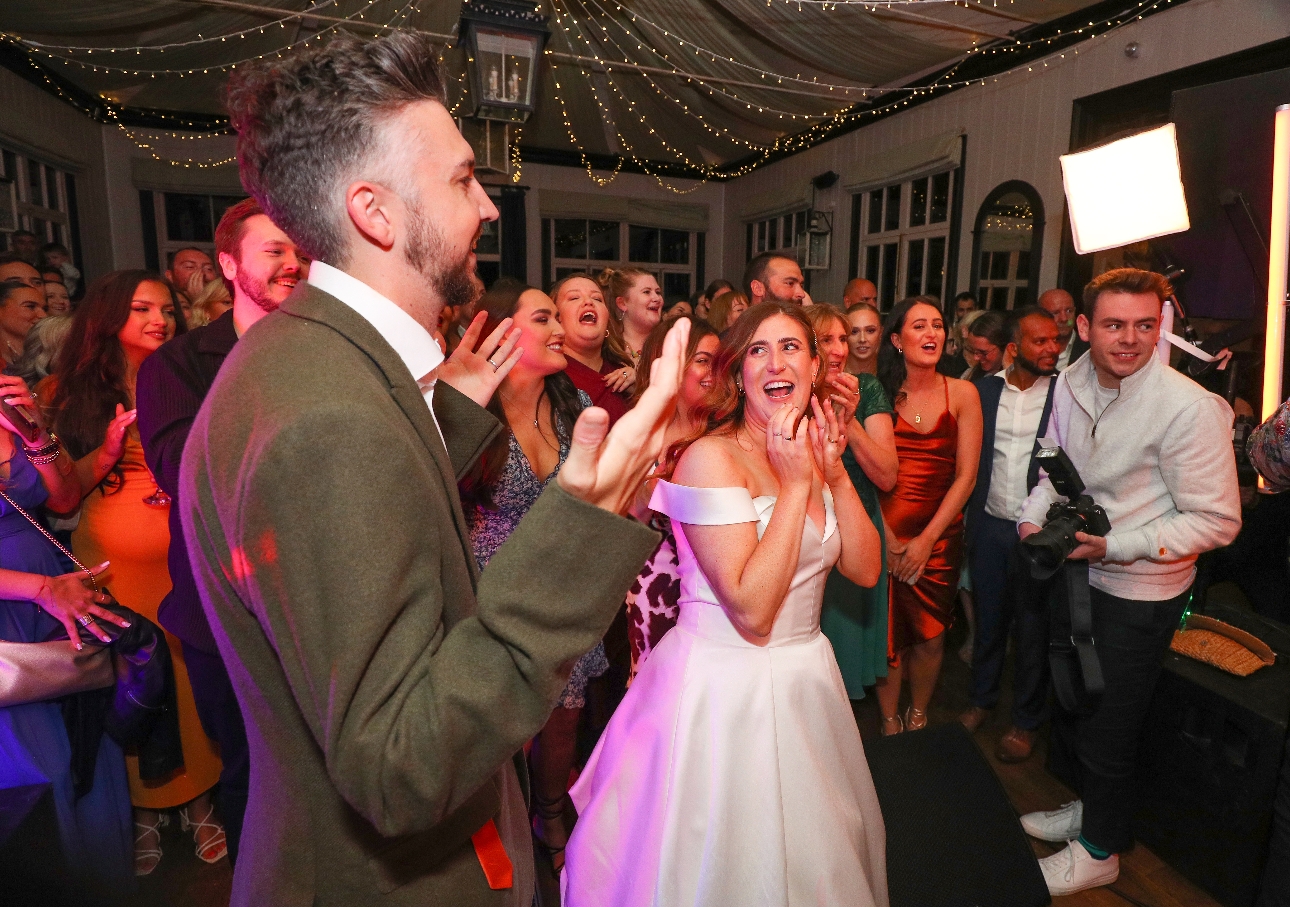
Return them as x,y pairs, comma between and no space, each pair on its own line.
1125,191
505,39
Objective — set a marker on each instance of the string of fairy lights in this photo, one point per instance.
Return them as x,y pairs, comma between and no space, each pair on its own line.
627,44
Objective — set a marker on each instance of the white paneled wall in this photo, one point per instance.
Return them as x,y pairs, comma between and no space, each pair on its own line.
1016,127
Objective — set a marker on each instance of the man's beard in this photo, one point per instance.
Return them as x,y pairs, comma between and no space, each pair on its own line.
455,283
256,290
1033,367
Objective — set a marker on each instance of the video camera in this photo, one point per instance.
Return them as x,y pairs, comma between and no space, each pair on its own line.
1046,550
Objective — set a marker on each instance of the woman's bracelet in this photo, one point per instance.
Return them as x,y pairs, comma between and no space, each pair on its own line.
46,453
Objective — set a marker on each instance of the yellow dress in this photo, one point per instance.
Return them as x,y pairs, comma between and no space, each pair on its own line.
119,527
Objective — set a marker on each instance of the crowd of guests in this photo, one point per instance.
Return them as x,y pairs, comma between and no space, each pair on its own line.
941,415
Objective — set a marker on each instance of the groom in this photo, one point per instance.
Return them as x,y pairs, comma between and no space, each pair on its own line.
386,686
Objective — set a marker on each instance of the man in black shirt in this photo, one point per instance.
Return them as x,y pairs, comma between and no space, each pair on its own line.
261,267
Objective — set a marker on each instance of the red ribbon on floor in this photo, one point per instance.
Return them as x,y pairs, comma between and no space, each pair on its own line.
492,856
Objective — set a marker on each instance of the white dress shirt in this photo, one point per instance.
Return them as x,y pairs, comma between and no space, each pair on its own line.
415,345
1015,428
1064,357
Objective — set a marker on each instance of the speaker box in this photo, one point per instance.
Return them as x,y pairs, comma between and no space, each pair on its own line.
953,839
1210,765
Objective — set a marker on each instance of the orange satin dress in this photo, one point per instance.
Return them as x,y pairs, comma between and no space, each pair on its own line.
119,527
924,610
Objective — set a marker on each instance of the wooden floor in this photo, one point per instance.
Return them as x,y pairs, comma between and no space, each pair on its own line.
183,881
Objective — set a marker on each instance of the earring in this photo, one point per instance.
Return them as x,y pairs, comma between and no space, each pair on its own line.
740,388
901,350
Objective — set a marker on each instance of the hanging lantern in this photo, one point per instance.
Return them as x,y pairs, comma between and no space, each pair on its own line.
505,39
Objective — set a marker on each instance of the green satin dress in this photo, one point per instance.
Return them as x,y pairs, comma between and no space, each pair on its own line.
854,618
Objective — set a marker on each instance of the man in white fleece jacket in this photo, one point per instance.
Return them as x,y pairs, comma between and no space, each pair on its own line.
1153,448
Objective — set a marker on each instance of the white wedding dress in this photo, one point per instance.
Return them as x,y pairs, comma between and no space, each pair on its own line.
732,774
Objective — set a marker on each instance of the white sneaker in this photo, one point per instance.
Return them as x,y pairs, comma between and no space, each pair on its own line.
1058,825
1073,869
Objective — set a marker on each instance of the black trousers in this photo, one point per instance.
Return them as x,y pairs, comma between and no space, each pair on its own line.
221,718
1004,596
1102,746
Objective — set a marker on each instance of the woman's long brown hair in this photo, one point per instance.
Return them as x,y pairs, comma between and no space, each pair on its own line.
89,375
477,485
723,411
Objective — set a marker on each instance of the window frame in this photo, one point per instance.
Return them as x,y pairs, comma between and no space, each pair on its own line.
554,267
57,220
872,249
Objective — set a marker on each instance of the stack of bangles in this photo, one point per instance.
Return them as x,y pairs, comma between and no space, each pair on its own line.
45,454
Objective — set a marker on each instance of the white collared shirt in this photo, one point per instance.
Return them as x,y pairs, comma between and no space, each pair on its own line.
1064,357
1015,428
415,345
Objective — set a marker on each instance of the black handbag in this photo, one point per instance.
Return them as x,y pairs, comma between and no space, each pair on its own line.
140,709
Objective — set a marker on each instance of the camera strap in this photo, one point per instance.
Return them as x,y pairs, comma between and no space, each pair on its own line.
1072,653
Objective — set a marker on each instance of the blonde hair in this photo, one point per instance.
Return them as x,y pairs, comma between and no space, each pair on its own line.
618,282
214,293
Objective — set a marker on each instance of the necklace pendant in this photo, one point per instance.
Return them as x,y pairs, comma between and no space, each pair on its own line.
918,418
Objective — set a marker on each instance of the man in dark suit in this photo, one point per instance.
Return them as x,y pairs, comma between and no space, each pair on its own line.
387,686
1061,305
1015,407
261,268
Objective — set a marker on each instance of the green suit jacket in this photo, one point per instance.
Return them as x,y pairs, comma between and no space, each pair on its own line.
386,685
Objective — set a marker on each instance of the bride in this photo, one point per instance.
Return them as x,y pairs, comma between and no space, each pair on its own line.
733,773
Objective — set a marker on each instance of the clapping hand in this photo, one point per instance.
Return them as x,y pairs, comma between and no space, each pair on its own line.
829,441
845,397
478,373
606,467
788,447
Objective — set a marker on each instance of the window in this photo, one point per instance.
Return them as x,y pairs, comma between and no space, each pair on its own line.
181,221
781,232
1006,246
592,245
905,242
488,249
46,198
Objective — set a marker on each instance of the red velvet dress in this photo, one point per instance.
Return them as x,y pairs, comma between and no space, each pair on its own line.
593,385
924,610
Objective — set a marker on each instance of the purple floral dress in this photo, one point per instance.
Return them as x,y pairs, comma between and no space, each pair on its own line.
515,493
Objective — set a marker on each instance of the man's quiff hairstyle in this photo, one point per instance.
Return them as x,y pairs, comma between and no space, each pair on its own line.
310,124
1126,280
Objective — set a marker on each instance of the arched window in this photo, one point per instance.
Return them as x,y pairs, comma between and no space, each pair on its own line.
1006,244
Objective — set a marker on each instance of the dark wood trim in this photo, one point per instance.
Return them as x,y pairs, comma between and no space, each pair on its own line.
148,215
853,259
1036,234
700,260
515,234
950,288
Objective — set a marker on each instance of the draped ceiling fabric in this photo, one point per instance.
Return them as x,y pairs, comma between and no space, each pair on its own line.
646,117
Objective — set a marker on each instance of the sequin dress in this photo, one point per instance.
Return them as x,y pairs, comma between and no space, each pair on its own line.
514,494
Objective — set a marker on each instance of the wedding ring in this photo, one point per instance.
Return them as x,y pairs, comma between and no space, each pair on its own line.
84,620
493,364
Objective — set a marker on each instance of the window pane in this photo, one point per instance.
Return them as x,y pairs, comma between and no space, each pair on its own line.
562,273
875,211
38,227
871,263
999,265
1023,266
761,236
570,238
892,220
675,248
888,291
1021,297
799,225
642,243
488,244
918,203
935,284
772,239
999,298
35,185
188,218
748,252
676,286
11,166
940,198
51,188
221,203
984,269
914,268
602,240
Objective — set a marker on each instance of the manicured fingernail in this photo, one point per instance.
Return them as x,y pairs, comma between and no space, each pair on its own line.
125,623
79,646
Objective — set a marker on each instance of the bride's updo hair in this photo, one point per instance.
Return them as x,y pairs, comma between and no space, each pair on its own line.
723,410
